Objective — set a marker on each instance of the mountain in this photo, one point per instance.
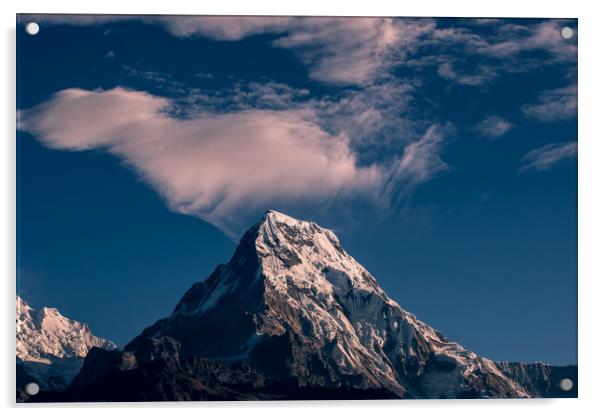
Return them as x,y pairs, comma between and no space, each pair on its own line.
540,379
292,315
50,347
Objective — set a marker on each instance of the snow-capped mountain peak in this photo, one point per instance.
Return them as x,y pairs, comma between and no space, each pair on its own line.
293,303
45,333
51,347
309,254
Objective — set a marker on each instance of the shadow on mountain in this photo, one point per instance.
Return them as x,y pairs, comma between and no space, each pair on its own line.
199,379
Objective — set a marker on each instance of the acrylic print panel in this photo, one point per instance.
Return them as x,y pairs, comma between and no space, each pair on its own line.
269,208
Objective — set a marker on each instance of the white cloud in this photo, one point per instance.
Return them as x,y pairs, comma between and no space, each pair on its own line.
357,51
543,158
351,51
356,142
552,105
225,168
481,76
501,49
217,27
339,51
419,163
493,127
512,39
223,27
377,118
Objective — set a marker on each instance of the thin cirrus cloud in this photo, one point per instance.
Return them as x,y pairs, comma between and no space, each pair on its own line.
499,50
226,168
493,127
482,76
337,51
513,39
418,164
553,105
545,157
353,51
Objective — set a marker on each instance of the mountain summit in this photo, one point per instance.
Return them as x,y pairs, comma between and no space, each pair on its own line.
51,347
295,316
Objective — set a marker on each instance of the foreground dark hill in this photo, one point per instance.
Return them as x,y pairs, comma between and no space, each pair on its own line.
292,315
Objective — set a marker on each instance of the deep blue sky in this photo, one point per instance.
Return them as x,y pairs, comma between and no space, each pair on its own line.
486,252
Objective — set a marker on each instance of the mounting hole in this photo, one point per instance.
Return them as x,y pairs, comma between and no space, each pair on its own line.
566,384
32,389
32,28
566,32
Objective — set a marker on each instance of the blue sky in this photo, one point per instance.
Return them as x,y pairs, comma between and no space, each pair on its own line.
441,151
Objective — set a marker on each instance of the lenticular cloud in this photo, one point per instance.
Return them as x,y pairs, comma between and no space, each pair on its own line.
227,167
213,166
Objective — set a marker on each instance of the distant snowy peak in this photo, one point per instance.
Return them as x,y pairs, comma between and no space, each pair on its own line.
45,333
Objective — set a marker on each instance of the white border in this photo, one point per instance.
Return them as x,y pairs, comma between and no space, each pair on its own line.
590,200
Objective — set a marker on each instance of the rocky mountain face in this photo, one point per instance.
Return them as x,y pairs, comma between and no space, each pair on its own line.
292,315
541,380
50,347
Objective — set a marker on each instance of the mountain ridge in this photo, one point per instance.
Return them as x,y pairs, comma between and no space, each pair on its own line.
50,348
295,308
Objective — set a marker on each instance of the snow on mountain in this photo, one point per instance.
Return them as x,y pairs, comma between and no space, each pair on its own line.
50,346
540,379
291,303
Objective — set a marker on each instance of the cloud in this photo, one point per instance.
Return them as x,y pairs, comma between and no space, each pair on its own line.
482,76
240,95
493,127
204,75
504,46
365,137
419,163
225,168
222,27
513,39
337,51
553,105
543,158
377,118
351,51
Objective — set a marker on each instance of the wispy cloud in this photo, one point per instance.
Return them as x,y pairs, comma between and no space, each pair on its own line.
510,40
376,118
545,157
362,139
338,51
203,75
481,76
358,51
419,163
553,105
226,168
500,49
493,127
353,51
